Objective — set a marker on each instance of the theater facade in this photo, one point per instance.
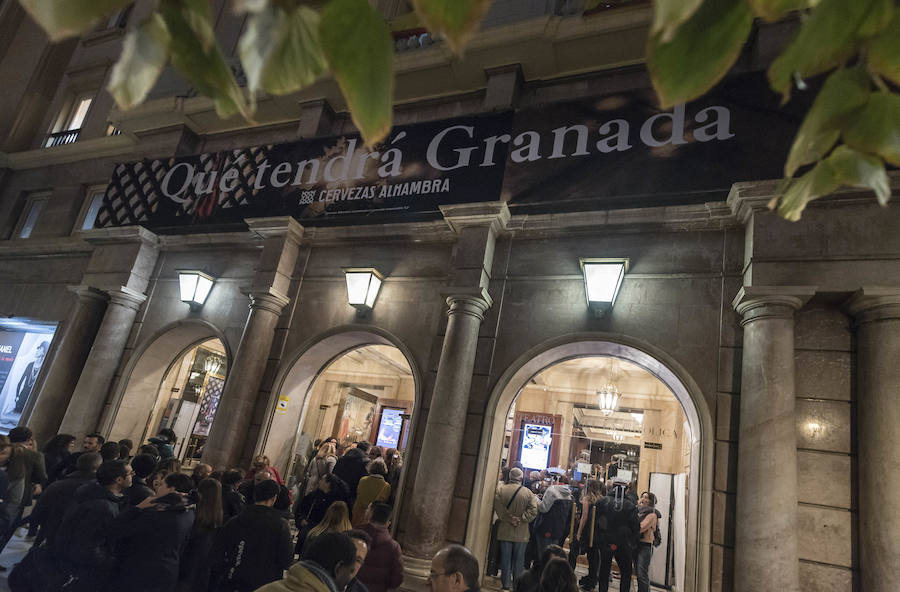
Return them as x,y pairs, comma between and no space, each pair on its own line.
256,288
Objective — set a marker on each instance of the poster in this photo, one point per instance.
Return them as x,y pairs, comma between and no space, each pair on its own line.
535,446
22,355
357,417
390,428
208,406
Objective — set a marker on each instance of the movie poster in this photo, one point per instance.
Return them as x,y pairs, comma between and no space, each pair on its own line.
536,441
22,355
390,429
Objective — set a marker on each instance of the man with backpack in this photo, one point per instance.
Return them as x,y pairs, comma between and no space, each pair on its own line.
650,537
616,530
516,506
556,517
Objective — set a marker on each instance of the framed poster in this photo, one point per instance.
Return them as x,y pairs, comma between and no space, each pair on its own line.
355,415
390,427
22,355
536,440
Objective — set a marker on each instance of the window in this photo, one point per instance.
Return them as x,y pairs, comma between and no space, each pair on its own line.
33,206
91,208
68,124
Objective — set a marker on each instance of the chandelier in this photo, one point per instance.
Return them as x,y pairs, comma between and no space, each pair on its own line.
618,437
609,399
212,364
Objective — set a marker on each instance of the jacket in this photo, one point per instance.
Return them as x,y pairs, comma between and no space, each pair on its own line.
372,488
523,507
194,568
232,503
148,545
313,506
166,450
616,527
383,568
304,576
282,502
51,506
554,514
138,492
649,518
317,468
351,468
82,541
250,551
30,467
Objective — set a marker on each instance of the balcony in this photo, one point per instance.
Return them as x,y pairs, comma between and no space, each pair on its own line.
60,138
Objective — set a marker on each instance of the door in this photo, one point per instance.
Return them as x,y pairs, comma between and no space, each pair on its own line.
661,484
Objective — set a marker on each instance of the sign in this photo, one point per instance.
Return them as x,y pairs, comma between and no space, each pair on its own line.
281,407
653,445
22,354
536,441
390,428
613,151
585,468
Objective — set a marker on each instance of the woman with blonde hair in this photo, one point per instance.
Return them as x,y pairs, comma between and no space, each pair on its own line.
261,462
373,488
321,464
337,519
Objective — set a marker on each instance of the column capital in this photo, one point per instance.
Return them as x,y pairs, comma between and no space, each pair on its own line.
874,303
494,214
87,293
760,302
276,226
126,297
270,300
470,301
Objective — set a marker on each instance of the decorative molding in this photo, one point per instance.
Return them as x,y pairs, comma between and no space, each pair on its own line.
765,302
87,293
120,146
469,301
874,303
493,213
276,226
119,234
126,297
269,300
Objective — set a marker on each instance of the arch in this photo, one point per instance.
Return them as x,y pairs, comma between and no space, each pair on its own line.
137,391
651,359
300,371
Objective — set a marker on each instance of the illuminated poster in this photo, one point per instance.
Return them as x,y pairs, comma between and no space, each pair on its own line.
390,428
535,446
22,354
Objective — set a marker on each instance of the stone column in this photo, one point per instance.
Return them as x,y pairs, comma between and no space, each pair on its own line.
79,331
86,405
766,517
227,434
877,314
442,443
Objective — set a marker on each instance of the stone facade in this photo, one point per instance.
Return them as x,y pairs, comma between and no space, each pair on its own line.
780,336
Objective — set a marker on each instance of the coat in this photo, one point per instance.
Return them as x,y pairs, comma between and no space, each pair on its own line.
194,568
138,492
313,506
383,568
232,503
148,545
82,541
51,506
29,466
616,527
317,468
351,468
372,488
524,507
555,516
250,551
304,576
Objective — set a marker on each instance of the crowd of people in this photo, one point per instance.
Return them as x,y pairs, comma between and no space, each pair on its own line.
109,517
538,514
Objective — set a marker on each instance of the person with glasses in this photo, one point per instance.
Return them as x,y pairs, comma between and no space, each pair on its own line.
453,569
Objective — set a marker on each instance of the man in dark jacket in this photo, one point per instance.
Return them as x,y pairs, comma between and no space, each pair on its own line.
555,519
254,548
82,545
27,468
283,501
619,517
232,501
312,507
90,443
143,466
51,507
383,567
351,468
149,538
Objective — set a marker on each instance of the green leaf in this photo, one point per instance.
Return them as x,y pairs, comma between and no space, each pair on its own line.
877,19
827,39
145,51
702,51
876,128
668,15
844,92
775,10
884,51
861,170
200,61
357,44
69,18
820,181
280,50
456,20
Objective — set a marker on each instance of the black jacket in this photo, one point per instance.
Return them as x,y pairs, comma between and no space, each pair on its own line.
194,569
351,468
232,503
51,506
250,551
282,502
616,527
82,541
138,492
148,545
314,504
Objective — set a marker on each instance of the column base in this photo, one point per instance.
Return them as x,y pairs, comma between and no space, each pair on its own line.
415,574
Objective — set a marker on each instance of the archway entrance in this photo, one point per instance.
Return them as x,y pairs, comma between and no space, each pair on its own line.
353,386
659,405
175,381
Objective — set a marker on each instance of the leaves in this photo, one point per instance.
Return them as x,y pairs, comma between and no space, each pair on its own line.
826,40
280,49
668,15
358,47
774,10
196,54
456,20
145,51
876,128
814,184
68,18
884,51
702,50
843,93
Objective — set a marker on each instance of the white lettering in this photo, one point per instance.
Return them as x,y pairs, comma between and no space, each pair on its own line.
343,160
260,174
313,172
530,151
621,136
280,169
489,144
227,177
559,137
718,129
464,153
677,132
175,195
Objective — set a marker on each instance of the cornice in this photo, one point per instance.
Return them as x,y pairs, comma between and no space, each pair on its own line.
120,146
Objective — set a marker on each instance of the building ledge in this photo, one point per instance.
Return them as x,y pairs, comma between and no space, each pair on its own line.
119,145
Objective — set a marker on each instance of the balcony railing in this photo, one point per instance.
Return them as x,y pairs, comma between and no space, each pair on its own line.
60,138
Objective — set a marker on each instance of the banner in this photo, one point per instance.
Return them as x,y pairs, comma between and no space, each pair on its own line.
613,151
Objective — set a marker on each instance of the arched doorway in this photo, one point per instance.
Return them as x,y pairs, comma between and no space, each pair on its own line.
614,351
174,381
350,384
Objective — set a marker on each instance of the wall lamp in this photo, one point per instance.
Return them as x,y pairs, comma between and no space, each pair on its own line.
363,284
195,286
602,280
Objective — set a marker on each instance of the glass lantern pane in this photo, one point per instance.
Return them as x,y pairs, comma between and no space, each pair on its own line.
188,284
374,286
204,285
357,287
603,280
